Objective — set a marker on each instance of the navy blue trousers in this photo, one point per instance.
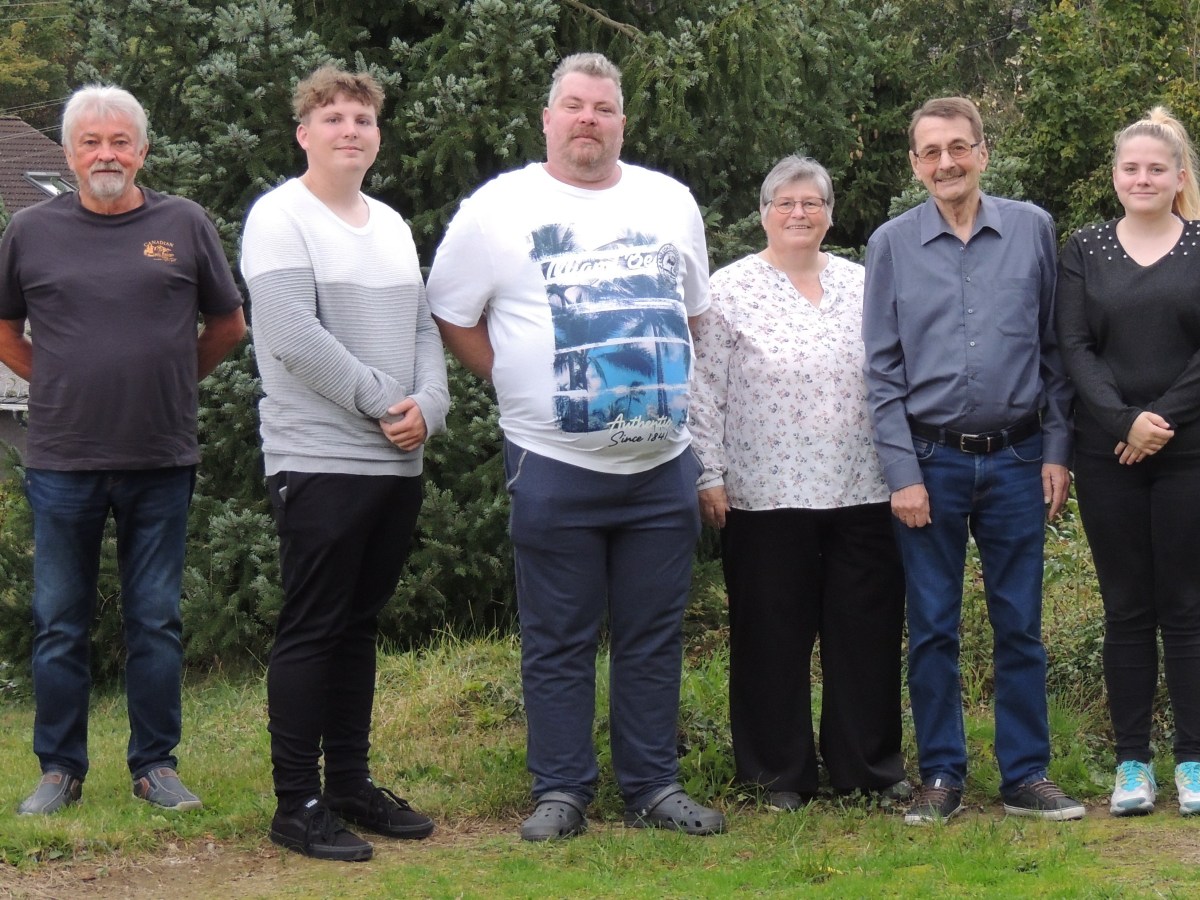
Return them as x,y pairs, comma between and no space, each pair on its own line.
589,545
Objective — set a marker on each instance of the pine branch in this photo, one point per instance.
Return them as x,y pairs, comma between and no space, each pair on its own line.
625,28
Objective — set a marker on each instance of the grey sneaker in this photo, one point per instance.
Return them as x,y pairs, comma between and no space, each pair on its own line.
54,791
935,802
1043,799
162,787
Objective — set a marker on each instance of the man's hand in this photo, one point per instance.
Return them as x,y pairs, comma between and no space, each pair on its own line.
404,425
1056,481
713,506
911,506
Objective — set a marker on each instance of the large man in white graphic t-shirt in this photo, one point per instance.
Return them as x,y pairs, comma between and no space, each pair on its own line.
569,284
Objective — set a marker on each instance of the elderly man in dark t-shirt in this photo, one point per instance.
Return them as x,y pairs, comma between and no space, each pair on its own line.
111,280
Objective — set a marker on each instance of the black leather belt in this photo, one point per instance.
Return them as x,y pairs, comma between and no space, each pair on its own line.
984,442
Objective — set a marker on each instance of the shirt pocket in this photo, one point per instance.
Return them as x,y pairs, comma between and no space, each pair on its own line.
1018,301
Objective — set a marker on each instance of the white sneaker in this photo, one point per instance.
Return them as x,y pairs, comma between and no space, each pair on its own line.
1135,790
1187,782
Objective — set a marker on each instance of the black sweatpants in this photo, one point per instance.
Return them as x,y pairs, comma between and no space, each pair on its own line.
343,541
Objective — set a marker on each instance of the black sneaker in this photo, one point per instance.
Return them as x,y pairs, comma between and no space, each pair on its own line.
55,791
381,811
785,801
1044,800
315,830
935,802
894,794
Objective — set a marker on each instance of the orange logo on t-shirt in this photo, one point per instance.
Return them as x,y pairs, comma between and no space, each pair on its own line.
163,250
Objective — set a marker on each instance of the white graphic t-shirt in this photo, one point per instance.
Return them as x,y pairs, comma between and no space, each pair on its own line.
587,296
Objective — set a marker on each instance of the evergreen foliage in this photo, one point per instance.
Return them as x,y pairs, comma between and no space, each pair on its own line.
715,92
1088,69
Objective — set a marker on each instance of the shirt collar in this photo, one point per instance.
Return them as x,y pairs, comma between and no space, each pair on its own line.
933,225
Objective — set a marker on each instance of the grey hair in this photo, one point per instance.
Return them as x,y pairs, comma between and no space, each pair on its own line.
597,65
105,101
789,170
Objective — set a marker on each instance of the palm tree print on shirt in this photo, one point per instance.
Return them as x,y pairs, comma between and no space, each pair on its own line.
622,351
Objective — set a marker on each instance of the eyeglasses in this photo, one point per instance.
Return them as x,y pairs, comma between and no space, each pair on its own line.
786,206
957,150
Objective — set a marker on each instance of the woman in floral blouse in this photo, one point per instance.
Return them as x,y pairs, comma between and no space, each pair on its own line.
790,477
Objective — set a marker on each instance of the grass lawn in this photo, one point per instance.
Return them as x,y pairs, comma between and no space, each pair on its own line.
450,736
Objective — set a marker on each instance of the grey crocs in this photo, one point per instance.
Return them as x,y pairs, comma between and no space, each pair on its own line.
672,808
556,816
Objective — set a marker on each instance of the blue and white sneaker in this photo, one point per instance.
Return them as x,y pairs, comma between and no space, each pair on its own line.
1135,790
1187,781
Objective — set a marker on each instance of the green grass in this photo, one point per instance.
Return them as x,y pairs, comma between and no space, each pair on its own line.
450,736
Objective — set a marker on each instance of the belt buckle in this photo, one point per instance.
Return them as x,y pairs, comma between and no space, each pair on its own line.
965,438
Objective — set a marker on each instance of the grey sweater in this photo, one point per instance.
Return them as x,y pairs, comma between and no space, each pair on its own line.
342,331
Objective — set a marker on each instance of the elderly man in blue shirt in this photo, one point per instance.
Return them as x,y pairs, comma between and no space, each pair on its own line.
970,405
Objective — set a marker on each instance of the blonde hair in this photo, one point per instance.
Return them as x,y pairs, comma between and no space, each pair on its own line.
594,65
1162,126
323,86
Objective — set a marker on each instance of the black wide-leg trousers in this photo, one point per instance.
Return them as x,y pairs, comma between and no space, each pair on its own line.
795,576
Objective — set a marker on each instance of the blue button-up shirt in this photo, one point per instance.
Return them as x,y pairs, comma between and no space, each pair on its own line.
961,335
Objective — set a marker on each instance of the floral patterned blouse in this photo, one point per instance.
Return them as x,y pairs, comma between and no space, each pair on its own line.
779,409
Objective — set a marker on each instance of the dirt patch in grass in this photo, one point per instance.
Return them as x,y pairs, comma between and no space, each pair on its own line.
213,869
233,870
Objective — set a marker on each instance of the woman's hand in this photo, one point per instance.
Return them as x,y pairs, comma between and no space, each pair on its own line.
1148,434
713,506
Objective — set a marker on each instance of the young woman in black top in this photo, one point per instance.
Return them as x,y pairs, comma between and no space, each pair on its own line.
1128,316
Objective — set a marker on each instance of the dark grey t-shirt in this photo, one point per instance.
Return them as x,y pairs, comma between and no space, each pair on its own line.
112,303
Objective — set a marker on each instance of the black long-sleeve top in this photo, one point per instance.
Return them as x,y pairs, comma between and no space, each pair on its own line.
1130,337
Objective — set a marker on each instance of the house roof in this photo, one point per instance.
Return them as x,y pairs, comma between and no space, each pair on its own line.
25,149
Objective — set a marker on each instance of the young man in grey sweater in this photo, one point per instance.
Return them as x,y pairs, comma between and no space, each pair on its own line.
355,381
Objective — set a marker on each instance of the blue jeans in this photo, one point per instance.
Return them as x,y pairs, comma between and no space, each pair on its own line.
998,497
150,508
586,544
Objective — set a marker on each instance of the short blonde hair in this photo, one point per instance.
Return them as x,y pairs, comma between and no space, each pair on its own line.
595,65
323,86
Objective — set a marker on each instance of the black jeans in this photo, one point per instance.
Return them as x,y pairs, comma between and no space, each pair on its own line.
1141,522
793,575
343,541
